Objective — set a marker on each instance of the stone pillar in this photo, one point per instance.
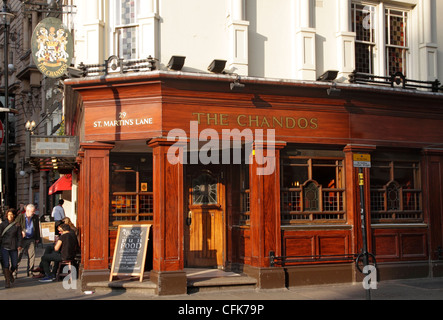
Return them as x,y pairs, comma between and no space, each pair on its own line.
428,45
168,254
238,39
94,33
345,40
149,21
306,65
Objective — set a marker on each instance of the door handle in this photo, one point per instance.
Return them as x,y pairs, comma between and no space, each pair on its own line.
189,218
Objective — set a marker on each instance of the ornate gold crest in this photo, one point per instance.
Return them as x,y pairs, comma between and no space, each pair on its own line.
52,47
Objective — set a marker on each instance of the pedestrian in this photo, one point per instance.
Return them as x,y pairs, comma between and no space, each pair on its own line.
64,249
21,209
30,225
58,213
11,242
74,229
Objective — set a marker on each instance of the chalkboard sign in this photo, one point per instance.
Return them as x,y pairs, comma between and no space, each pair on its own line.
130,250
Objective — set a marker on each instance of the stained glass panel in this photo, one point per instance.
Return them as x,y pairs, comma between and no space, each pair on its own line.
363,24
204,190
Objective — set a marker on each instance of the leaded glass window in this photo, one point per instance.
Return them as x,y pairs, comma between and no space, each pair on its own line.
131,188
364,27
312,187
374,52
204,189
395,191
126,30
396,29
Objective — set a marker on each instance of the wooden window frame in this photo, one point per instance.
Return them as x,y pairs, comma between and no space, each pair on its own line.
297,214
379,197
134,216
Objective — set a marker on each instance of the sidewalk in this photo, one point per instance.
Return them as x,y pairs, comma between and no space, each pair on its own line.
28,288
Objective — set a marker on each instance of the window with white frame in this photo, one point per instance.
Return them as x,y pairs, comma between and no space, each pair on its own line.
396,28
363,26
126,29
382,53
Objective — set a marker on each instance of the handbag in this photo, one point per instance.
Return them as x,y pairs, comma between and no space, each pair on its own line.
8,227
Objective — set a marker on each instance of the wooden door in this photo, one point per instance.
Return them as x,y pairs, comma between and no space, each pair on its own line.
205,219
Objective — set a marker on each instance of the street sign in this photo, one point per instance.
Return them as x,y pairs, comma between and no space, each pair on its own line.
2,133
362,160
53,146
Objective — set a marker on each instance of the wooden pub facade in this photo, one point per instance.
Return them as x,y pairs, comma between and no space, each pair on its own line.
228,214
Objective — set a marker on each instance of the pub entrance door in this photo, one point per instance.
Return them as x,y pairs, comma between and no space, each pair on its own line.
205,222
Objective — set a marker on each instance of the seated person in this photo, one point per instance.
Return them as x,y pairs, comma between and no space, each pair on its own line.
64,249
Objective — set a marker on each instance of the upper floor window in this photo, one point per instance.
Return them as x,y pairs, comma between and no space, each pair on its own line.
126,29
365,44
381,45
396,28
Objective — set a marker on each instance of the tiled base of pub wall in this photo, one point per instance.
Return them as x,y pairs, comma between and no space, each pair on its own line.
267,278
90,276
319,274
437,268
169,282
403,270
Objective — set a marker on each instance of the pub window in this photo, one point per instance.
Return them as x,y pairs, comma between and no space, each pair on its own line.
131,189
126,29
396,192
312,189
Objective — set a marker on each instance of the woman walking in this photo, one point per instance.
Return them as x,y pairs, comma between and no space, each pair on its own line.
11,241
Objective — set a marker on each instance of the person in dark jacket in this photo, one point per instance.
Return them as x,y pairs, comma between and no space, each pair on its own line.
64,249
30,225
11,242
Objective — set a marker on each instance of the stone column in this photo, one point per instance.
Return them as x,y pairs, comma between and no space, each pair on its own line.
149,21
428,45
306,65
238,39
345,40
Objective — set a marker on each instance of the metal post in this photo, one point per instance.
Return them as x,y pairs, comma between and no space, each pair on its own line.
363,225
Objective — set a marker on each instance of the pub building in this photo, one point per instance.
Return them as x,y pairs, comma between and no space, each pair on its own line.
174,149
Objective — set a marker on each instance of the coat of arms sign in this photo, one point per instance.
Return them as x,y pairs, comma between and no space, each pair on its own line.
52,47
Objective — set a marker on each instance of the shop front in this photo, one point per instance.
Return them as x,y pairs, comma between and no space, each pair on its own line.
228,176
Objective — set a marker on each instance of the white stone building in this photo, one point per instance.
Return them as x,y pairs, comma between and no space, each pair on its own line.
285,39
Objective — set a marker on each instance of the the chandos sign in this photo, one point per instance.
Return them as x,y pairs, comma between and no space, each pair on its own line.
52,47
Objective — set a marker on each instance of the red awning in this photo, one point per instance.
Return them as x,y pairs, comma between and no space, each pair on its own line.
64,183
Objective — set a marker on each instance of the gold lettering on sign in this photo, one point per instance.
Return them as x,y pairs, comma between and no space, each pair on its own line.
256,121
